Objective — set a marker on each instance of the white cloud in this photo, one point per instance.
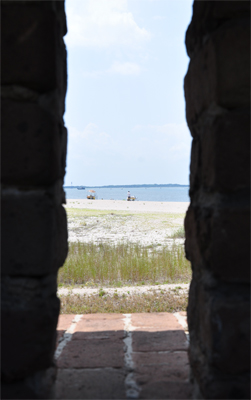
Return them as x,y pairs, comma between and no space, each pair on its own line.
102,23
127,68
160,150
118,68
90,139
165,141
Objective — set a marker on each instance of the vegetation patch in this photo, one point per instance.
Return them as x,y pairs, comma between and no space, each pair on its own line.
179,233
155,301
124,264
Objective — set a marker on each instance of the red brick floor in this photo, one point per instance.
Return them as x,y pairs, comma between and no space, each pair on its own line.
122,356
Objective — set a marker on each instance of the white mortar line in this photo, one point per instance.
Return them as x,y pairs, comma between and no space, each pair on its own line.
183,322
132,389
67,336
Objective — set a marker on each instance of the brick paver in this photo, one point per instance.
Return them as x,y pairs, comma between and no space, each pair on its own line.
115,356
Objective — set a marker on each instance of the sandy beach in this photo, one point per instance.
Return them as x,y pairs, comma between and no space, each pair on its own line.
132,206
114,221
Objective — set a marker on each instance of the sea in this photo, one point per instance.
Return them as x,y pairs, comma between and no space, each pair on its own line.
161,194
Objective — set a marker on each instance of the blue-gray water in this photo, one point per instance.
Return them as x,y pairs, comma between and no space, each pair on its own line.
142,194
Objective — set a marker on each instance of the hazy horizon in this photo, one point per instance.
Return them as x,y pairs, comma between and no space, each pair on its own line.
124,185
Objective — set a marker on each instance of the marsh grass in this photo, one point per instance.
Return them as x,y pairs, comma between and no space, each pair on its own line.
179,233
123,264
150,302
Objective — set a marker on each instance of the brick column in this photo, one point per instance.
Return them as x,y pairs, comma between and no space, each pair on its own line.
34,231
217,91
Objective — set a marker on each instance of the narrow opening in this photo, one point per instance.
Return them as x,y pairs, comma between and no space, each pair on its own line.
127,174
125,113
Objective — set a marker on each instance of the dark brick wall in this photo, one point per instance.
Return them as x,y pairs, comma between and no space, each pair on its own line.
34,231
217,91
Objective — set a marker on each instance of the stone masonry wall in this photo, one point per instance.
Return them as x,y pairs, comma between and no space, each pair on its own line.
34,231
217,91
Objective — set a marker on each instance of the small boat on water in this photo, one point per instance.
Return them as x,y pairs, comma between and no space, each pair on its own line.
131,198
92,195
81,188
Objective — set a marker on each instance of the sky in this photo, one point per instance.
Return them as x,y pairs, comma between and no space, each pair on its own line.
125,108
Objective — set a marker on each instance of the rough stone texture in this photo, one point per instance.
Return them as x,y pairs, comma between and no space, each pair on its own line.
217,88
34,231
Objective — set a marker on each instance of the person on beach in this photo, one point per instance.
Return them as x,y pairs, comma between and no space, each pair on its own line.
128,195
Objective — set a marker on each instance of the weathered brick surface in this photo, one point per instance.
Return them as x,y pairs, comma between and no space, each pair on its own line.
219,73
100,323
157,332
155,322
213,156
35,239
207,17
29,43
93,353
209,232
90,384
218,323
65,321
230,324
34,230
35,159
161,366
97,347
159,341
217,222
28,346
39,385
219,154
166,390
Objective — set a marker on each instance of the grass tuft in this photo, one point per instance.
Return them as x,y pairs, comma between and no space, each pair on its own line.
123,264
179,233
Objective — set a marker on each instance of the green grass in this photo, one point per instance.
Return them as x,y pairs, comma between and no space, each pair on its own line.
123,264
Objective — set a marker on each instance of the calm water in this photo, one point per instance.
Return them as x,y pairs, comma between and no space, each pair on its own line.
142,194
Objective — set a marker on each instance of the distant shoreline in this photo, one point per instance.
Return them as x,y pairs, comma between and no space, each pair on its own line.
128,186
